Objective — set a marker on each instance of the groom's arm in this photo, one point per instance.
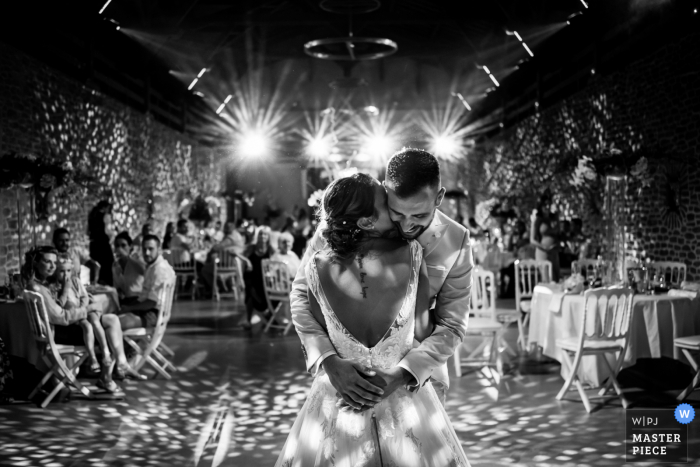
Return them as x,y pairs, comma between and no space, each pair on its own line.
315,342
451,316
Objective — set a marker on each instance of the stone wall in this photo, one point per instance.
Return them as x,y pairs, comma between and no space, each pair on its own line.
144,168
650,109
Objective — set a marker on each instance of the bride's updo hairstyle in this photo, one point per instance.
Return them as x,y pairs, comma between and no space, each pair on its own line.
346,201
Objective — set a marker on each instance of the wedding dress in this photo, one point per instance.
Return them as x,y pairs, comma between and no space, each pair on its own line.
406,429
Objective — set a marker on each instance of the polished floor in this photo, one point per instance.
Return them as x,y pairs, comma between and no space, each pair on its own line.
236,395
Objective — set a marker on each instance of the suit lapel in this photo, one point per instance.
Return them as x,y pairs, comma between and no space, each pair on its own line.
433,235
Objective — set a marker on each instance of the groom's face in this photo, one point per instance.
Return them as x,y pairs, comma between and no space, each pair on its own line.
413,215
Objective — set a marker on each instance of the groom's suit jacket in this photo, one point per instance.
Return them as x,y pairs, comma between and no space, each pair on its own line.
448,257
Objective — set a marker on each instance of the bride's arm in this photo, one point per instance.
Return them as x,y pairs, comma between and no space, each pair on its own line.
316,312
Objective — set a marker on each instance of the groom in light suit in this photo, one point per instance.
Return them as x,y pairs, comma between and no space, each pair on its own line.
414,193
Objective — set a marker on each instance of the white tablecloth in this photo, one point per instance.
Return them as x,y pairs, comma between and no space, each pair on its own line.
657,320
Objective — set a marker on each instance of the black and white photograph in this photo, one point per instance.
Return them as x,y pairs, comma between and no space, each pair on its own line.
350,233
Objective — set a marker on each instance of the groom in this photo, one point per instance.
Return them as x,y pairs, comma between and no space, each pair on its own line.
414,193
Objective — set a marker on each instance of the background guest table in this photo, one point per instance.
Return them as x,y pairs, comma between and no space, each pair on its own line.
656,321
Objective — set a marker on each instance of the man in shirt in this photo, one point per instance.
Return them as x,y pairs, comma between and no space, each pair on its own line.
181,244
233,241
158,273
285,254
79,256
127,272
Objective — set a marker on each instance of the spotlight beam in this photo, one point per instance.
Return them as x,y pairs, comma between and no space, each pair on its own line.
104,7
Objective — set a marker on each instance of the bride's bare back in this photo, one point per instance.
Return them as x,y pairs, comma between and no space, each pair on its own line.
366,293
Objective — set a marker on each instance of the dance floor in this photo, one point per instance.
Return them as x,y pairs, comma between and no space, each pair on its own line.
237,393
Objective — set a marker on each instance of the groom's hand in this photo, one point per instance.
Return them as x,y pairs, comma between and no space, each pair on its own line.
394,378
350,380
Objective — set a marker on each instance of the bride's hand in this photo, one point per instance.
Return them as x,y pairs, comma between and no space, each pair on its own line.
352,381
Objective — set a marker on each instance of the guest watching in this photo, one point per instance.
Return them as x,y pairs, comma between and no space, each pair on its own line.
181,244
70,293
233,241
79,257
39,266
253,277
544,239
101,232
127,271
147,229
285,255
169,232
144,312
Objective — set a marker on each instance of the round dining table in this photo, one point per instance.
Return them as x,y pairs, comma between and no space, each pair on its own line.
656,320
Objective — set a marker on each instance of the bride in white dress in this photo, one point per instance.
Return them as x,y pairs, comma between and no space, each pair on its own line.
364,290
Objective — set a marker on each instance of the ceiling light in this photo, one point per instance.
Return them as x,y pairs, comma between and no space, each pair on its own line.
253,144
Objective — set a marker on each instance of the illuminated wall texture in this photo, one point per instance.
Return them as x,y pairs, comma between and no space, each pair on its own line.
143,167
649,108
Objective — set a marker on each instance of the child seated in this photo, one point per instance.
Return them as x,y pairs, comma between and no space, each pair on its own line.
70,293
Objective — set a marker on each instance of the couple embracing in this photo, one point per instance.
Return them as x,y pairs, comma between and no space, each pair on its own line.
380,303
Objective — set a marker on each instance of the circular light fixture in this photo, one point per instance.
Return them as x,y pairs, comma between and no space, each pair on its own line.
351,48
355,7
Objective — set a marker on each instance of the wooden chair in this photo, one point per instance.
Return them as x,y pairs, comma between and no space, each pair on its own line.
148,341
605,327
54,355
528,273
227,269
687,345
184,271
482,322
278,285
674,272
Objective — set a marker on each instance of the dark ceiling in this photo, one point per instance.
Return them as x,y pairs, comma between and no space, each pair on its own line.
162,45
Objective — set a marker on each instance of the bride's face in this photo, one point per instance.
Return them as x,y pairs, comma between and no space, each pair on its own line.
383,223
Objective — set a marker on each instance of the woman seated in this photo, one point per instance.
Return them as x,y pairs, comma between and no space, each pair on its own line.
70,293
39,266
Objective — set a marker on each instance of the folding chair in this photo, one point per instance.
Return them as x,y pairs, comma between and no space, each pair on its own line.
184,270
54,355
605,327
528,273
148,341
227,268
674,272
278,285
689,344
482,322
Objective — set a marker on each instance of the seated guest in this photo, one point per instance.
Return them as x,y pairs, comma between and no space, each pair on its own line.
79,256
70,293
233,241
215,232
39,266
285,255
181,244
254,286
475,230
169,232
144,311
127,271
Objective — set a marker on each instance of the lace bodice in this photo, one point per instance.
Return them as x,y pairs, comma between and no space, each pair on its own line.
398,340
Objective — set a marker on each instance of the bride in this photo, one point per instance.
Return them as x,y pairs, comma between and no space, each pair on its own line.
367,292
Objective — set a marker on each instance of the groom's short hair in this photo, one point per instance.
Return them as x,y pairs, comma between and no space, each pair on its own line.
410,170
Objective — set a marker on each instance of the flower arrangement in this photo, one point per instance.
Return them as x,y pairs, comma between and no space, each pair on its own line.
315,199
